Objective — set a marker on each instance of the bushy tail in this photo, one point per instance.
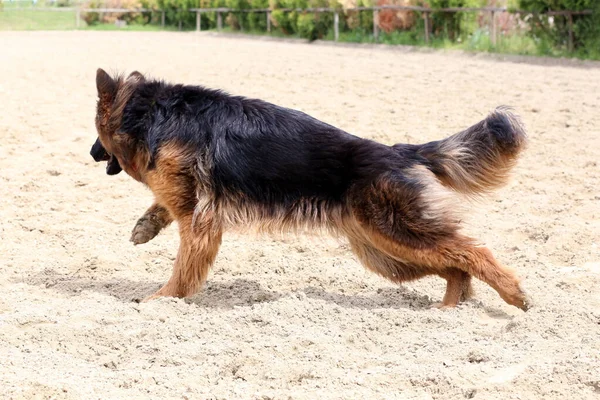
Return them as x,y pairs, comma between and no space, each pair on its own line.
480,158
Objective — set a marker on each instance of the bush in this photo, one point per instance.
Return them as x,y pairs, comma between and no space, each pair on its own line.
258,21
92,18
64,3
307,25
555,30
393,20
283,21
453,25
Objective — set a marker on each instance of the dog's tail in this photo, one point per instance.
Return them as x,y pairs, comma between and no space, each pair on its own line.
480,158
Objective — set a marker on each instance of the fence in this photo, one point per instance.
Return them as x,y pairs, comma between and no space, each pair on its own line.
425,11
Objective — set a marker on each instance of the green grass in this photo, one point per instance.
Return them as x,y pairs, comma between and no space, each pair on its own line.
479,41
20,20
37,20
513,44
274,33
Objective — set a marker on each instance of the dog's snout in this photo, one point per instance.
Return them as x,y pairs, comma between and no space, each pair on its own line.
98,153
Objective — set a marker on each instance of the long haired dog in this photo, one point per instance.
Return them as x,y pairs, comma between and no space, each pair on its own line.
215,162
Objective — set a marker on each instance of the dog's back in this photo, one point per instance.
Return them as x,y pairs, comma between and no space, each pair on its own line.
267,156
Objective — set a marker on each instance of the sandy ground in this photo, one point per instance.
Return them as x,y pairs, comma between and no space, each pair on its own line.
294,317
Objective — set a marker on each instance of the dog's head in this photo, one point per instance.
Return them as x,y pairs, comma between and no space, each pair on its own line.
113,94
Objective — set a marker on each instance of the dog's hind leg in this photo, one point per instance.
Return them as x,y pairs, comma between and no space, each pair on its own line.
459,253
150,224
479,262
197,252
411,217
458,287
396,270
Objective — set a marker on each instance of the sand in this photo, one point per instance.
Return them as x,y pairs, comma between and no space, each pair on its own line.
291,317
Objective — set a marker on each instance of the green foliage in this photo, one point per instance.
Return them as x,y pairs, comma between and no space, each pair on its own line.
587,30
306,25
555,30
453,25
284,21
556,5
94,18
258,21
361,21
64,3
544,35
176,12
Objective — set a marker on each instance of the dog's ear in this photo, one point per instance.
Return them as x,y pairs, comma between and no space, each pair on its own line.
136,76
107,87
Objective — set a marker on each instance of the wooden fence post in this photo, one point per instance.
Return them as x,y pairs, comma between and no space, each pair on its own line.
336,25
198,22
375,24
162,19
269,21
494,33
570,44
427,27
219,21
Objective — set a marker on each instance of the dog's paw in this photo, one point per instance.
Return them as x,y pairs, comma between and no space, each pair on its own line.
519,299
169,290
526,304
442,306
151,297
144,231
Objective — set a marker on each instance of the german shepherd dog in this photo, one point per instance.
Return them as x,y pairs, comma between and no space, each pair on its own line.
215,162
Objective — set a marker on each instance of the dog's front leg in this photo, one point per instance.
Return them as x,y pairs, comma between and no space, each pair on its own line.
150,224
197,252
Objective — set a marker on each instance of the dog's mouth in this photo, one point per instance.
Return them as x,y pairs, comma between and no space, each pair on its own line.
112,166
98,153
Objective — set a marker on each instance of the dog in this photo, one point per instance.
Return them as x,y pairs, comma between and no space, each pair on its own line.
216,162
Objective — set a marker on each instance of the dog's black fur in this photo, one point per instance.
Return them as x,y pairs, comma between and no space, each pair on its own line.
270,154
228,160
98,153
